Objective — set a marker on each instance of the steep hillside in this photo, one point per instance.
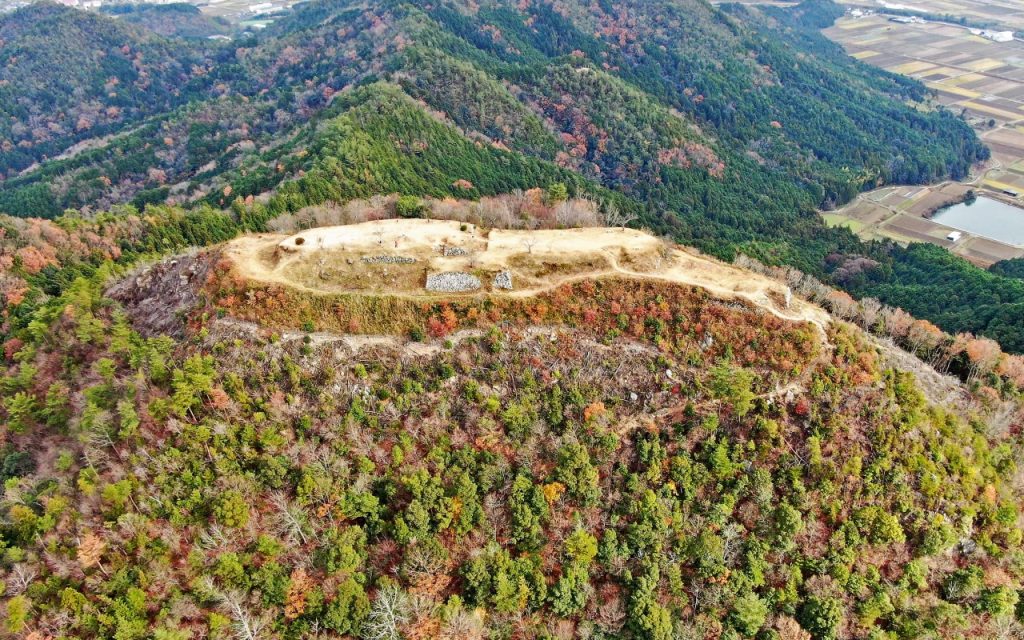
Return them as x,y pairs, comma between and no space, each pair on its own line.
69,75
618,455
601,79
724,127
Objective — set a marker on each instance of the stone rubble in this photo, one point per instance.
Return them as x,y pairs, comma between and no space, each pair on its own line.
388,260
503,280
452,282
452,252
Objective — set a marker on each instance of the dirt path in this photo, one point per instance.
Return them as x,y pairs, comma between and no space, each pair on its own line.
274,258
354,343
940,389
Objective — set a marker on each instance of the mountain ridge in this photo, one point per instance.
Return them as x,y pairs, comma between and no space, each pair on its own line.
584,459
719,137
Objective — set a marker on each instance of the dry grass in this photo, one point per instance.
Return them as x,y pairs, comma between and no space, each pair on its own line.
327,262
341,271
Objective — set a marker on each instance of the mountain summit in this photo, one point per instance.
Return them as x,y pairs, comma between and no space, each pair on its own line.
505,320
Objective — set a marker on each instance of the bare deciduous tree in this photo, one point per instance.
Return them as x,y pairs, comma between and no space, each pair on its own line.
576,213
390,611
291,519
20,578
615,217
213,538
464,625
870,311
246,624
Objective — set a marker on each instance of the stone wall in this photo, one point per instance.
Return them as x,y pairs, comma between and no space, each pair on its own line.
388,260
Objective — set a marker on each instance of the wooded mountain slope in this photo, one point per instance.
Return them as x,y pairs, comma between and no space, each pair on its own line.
724,127
613,458
70,75
172,20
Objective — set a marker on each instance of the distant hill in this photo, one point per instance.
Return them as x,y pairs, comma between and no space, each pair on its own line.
69,75
176,20
627,96
725,127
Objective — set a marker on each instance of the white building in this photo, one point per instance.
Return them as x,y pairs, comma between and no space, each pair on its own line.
997,36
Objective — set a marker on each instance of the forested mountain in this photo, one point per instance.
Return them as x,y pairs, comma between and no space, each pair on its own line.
619,93
725,127
212,430
191,454
173,20
69,75
1013,268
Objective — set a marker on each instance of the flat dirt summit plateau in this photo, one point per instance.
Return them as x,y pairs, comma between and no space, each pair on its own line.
403,257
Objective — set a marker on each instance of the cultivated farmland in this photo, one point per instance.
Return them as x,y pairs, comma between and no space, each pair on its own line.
969,74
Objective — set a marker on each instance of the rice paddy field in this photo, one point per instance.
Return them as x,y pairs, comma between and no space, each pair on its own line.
1006,14
983,79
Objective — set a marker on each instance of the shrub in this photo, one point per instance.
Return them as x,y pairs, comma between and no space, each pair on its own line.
409,207
17,464
569,594
229,570
748,614
646,616
963,584
231,510
529,510
557,192
998,602
937,537
348,609
788,522
576,472
735,386
17,613
878,526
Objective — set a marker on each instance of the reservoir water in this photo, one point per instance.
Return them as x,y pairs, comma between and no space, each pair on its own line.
986,217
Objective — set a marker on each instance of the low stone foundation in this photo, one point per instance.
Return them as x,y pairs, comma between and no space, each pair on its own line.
453,282
388,260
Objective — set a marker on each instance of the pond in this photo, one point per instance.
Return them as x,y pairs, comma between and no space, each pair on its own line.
986,217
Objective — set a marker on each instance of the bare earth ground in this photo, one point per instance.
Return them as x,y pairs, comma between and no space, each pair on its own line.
329,260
